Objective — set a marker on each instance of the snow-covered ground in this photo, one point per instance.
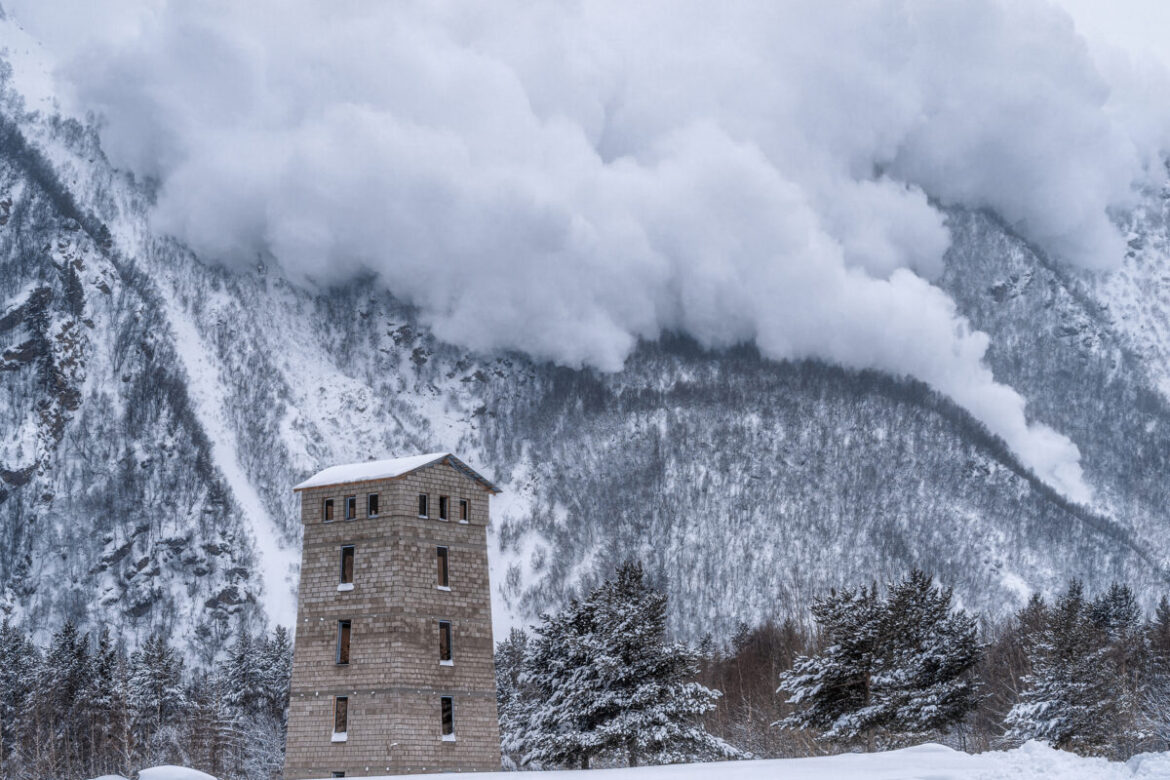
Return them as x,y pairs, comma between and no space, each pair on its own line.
1033,761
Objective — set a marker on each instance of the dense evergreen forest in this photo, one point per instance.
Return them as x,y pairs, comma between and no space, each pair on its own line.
602,683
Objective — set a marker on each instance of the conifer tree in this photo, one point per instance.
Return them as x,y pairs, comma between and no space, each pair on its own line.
512,696
158,699
1067,700
651,709
558,671
896,668
19,661
609,683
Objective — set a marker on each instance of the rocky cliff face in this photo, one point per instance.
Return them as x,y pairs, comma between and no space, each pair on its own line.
155,409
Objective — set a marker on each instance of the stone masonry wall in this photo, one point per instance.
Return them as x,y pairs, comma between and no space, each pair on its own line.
394,678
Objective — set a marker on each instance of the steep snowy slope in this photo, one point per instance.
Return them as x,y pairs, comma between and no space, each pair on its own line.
156,410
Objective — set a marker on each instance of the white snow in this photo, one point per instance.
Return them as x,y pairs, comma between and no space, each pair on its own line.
372,469
1033,761
173,773
276,560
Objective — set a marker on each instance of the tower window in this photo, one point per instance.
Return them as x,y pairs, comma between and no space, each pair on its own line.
340,718
441,557
347,565
443,501
343,642
350,507
422,504
447,714
327,510
372,505
464,511
445,642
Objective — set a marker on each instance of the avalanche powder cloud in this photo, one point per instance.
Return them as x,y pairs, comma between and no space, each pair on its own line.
568,178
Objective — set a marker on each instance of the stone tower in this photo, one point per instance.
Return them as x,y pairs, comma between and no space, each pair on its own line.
392,671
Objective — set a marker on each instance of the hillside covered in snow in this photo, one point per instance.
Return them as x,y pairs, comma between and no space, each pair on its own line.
157,406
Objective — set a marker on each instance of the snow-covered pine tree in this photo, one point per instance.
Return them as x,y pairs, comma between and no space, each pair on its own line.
1155,703
832,689
926,682
1118,618
157,700
19,661
608,684
59,702
894,669
262,728
108,709
558,672
648,708
512,698
1067,700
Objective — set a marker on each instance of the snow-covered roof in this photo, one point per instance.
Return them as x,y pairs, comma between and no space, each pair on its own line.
389,469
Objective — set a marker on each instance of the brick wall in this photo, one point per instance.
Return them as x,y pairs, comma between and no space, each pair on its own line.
394,678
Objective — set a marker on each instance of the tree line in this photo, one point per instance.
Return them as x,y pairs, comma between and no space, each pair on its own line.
84,707
875,668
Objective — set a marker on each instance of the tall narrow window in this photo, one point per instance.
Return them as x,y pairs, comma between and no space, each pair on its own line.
343,642
443,501
347,565
340,718
447,713
441,557
445,642
464,512
327,510
372,505
350,507
422,504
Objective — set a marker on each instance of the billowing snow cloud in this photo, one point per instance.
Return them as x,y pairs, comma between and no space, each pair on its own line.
568,178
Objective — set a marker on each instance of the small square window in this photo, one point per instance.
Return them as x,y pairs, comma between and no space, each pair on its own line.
350,507
327,510
347,565
443,501
372,505
464,511
445,642
422,504
447,713
340,715
441,558
343,642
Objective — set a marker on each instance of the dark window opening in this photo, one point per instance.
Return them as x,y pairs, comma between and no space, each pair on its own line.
339,774
343,642
372,505
444,640
447,713
441,555
464,514
341,715
347,565
443,507
422,504
327,510
350,507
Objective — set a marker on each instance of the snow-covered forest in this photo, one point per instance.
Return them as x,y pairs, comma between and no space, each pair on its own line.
601,683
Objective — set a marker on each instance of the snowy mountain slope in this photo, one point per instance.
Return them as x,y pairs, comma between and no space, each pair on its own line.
157,409
112,506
